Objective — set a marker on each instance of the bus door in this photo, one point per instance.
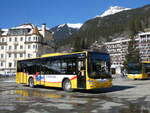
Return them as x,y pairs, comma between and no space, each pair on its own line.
81,77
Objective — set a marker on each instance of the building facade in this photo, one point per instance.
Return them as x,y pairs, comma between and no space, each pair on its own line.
22,42
144,45
117,49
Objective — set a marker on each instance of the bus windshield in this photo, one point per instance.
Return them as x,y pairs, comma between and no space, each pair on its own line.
99,66
147,68
134,68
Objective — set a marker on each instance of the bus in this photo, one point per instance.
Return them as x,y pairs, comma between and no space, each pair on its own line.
78,70
139,70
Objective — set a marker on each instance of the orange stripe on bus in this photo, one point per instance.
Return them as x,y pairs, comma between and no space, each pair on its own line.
61,82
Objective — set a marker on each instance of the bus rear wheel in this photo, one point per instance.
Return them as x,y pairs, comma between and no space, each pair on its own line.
67,85
31,83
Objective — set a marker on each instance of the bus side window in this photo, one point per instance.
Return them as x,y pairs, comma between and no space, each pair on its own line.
81,67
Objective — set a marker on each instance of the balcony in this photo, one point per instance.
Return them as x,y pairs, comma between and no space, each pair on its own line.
29,42
16,51
2,59
15,43
3,43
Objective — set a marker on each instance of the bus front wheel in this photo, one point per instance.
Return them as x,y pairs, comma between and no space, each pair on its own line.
31,83
67,85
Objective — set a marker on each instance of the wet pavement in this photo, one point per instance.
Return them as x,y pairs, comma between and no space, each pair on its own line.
126,96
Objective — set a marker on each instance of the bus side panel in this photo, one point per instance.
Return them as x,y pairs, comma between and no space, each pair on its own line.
21,78
53,84
52,81
56,80
74,82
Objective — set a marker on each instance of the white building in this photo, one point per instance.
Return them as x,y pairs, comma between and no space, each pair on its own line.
144,45
24,41
117,50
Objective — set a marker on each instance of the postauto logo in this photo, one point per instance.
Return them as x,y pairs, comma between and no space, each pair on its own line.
38,76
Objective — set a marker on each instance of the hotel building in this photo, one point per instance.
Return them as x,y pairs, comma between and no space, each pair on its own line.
22,42
118,49
144,45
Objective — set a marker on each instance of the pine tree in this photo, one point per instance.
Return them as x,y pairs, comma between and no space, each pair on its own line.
132,55
77,44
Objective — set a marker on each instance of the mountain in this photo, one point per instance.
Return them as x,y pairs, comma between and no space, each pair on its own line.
105,28
112,10
114,23
63,31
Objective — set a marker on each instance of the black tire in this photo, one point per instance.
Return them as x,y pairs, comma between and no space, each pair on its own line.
31,83
67,85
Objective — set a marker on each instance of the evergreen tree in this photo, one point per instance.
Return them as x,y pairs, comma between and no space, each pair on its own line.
77,44
132,53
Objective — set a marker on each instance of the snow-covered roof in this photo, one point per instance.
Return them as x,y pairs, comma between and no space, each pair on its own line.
5,31
23,26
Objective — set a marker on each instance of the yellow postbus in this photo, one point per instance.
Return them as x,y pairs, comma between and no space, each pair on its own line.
139,70
79,70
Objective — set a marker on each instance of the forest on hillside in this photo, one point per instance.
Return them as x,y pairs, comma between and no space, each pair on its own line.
103,29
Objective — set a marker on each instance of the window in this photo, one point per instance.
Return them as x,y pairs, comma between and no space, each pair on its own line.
29,46
29,39
2,47
10,64
55,65
9,39
2,56
34,46
15,55
9,55
21,54
3,40
21,47
34,38
15,39
14,64
29,55
9,47
58,66
21,39
1,63
15,47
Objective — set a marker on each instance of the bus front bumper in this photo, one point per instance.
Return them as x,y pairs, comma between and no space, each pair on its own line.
99,83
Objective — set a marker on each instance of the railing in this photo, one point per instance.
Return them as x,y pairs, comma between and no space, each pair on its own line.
3,43
27,42
15,51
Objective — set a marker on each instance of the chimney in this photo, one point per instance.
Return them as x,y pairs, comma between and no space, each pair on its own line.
43,29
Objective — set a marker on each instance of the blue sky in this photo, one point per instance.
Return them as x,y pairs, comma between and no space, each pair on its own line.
55,12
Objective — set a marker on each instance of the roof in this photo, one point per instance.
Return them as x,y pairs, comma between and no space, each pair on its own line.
59,54
32,29
145,61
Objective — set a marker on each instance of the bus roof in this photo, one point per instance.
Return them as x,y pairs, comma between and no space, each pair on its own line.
59,54
146,62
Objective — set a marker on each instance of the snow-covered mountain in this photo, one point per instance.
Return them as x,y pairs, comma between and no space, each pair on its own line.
71,25
112,10
65,30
